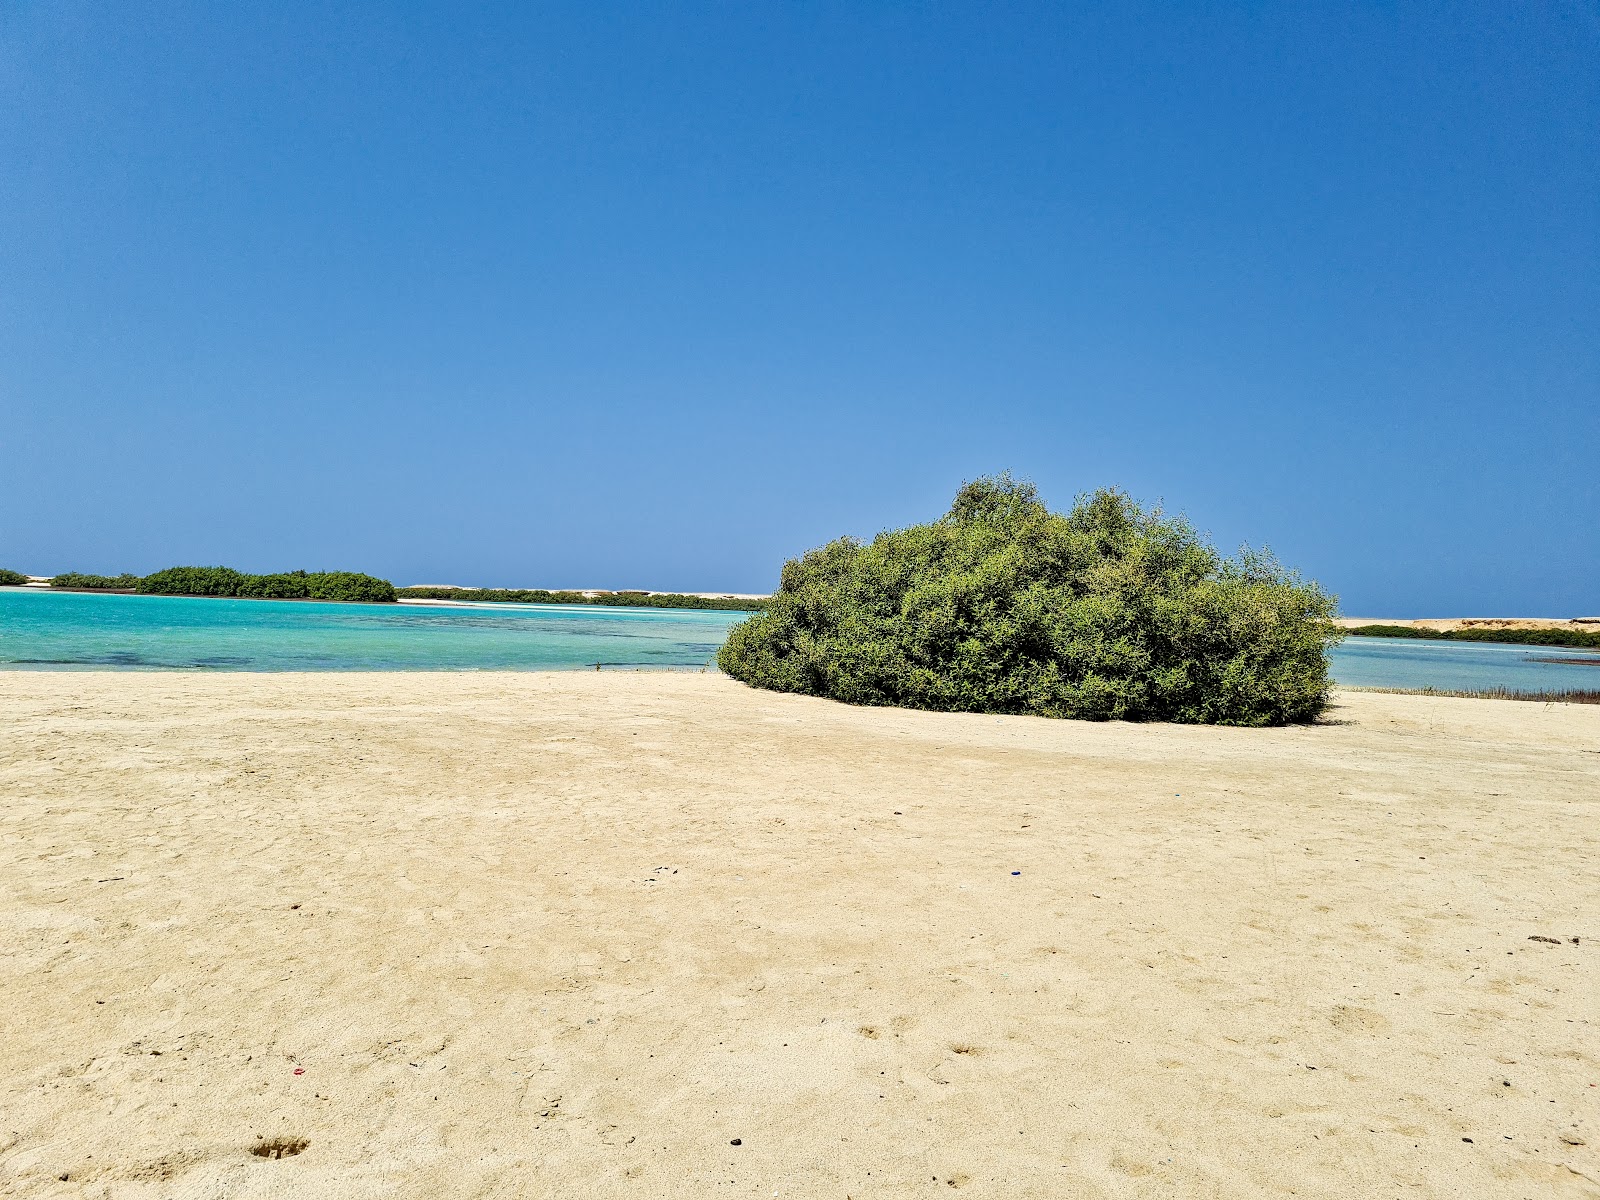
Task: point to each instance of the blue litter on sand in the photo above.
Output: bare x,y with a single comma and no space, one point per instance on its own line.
1016,872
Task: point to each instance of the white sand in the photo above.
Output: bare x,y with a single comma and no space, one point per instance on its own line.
1569,625
569,935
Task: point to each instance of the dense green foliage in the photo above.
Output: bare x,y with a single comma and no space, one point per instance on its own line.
287,585
290,585
1110,611
618,599
72,579
193,581
348,585
12,578
1513,637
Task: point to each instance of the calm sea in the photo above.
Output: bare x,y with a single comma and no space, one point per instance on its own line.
41,630
44,629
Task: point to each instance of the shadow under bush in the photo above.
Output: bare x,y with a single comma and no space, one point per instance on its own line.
1110,612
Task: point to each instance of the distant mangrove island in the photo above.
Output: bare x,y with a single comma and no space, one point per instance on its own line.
1514,637
225,581
353,586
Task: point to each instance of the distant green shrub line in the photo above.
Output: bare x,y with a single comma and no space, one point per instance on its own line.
1511,637
12,578
1110,611
614,599
288,585
1564,696
348,585
72,579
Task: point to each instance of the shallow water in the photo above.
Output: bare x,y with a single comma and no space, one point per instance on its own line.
1461,666
42,630
64,629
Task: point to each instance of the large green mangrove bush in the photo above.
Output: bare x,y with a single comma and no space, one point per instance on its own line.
12,578
1111,611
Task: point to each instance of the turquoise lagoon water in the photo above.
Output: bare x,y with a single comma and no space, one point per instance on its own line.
66,629
1462,666
41,629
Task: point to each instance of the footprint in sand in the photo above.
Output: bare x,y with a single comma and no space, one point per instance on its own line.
1347,1018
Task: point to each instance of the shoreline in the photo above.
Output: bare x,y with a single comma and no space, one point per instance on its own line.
1567,696
546,605
1441,624
1539,696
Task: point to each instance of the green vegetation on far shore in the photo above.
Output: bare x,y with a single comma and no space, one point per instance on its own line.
1110,611
349,585
12,578
288,585
613,599
73,579
1511,637
224,581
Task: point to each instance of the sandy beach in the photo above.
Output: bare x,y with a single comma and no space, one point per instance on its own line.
660,935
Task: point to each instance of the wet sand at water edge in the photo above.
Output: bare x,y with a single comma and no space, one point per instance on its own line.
660,935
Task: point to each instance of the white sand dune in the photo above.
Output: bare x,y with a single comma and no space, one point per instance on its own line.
659,935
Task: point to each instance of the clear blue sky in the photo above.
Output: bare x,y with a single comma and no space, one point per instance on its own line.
660,295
